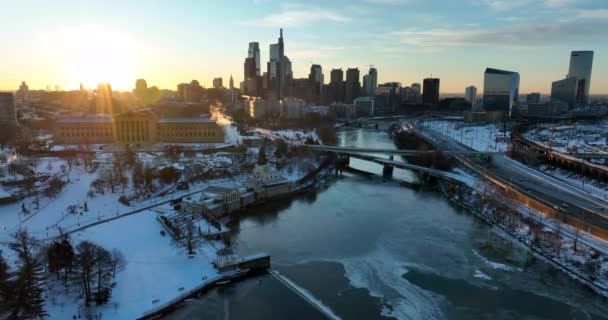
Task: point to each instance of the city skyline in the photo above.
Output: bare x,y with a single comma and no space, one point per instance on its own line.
425,41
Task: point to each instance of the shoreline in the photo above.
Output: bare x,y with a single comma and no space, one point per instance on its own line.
308,183
501,231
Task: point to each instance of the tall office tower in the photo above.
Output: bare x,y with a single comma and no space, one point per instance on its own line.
218,83
500,90
533,97
274,69
352,85
373,74
317,78
430,93
249,66
566,91
581,63
8,116
254,52
470,94
335,89
278,68
367,86
287,73
370,82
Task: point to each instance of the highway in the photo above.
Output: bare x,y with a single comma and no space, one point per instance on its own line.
542,187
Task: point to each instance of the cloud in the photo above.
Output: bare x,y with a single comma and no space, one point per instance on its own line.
514,36
300,16
505,5
599,14
391,2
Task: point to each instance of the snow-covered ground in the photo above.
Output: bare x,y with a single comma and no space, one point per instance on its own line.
295,135
579,137
480,137
156,269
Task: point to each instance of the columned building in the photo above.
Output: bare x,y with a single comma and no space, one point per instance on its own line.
136,127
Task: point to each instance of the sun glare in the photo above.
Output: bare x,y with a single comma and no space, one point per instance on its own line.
94,55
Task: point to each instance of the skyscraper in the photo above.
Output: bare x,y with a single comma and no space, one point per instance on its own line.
8,116
218,83
430,91
254,52
250,71
470,94
318,79
500,90
581,63
352,85
370,82
279,68
373,74
566,91
335,89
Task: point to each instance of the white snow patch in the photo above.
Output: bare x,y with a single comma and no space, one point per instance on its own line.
496,265
480,275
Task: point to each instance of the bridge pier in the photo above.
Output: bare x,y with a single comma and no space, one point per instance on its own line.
341,162
387,170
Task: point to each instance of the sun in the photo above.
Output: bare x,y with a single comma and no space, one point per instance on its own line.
94,55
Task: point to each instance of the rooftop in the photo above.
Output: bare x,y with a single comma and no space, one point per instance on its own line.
498,71
97,118
186,120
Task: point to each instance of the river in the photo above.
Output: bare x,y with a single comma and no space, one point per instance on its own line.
365,247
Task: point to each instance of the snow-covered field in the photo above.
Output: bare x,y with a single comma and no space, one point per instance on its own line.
156,270
480,137
578,137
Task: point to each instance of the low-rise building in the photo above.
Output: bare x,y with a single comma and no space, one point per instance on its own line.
189,130
223,193
293,108
364,107
137,127
84,130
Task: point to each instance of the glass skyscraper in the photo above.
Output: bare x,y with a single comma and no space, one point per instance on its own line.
581,63
500,90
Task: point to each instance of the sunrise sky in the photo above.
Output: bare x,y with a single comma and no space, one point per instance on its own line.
166,42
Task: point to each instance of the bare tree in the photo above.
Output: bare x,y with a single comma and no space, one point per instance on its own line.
111,177
557,239
191,237
93,271
577,233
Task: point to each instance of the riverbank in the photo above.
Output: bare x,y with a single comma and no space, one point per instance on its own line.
303,185
526,238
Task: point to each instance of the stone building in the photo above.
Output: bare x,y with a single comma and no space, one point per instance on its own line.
136,127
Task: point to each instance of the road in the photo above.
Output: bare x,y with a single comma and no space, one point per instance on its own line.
566,198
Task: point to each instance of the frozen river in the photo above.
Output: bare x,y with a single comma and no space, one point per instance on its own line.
370,248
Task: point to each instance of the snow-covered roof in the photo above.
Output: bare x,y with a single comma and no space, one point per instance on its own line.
186,120
97,119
